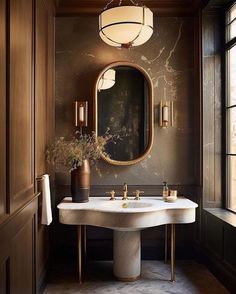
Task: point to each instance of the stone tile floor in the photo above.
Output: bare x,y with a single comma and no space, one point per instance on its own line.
191,278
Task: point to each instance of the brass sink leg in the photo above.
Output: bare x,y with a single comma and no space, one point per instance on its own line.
166,243
79,233
172,252
85,243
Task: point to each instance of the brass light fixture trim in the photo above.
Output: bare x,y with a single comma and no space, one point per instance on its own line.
116,21
81,113
166,114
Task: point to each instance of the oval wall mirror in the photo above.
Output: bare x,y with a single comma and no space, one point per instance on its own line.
124,106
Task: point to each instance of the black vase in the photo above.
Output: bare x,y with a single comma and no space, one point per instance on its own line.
80,183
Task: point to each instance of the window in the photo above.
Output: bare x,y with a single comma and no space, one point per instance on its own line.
230,55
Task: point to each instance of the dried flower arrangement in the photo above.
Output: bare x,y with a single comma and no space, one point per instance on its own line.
70,153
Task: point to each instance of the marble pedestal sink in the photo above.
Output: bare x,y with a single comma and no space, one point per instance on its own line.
127,219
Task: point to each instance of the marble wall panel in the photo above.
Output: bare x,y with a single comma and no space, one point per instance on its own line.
169,59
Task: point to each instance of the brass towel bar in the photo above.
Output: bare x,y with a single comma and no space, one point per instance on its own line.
40,178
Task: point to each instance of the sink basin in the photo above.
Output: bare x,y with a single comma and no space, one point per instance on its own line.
126,215
132,204
127,219
136,205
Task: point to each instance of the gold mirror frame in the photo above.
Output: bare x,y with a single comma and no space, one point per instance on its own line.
151,112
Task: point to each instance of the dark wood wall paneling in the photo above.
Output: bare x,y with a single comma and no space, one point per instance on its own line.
217,237
17,256
21,104
197,94
17,229
212,98
26,112
3,64
218,248
44,116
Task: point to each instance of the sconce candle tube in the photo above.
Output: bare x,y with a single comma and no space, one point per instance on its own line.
81,113
165,113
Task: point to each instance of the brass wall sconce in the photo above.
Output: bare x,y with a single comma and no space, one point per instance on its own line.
166,114
81,114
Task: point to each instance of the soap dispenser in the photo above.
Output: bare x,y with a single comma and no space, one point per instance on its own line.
165,190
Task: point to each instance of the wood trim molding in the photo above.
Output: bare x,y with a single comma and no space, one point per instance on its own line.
198,136
21,105
9,217
50,5
18,227
3,106
159,7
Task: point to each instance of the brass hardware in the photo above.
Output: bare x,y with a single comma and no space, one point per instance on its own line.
40,178
125,195
172,253
79,254
85,242
137,194
166,243
81,114
82,250
166,114
125,192
172,261
112,193
125,205
151,112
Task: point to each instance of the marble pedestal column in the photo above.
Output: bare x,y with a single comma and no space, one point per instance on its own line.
126,255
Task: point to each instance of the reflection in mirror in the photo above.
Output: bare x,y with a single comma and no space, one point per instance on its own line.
124,107
107,80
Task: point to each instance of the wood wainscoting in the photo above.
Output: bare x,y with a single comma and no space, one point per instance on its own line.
17,254
26,127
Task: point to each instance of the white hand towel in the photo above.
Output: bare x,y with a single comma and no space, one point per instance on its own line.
46,218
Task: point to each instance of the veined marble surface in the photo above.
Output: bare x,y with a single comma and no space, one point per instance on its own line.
168,57
140,214
146,204
192,278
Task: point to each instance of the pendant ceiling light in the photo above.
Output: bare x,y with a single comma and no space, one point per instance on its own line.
125,26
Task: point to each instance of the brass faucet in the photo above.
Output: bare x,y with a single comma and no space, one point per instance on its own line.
125,192
112,193
137,194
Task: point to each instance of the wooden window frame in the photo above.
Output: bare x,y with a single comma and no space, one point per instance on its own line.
227,46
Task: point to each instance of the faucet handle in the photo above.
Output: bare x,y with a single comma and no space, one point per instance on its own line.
137,194
125,195
112,193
